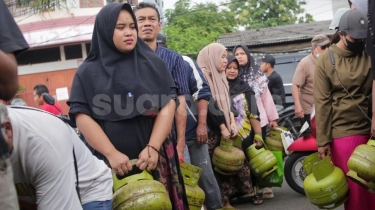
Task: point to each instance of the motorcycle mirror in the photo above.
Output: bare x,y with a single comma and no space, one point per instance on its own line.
48,99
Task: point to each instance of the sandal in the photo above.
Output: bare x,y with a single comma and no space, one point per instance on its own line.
256,200
267,193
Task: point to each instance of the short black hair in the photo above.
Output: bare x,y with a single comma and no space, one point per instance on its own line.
40,89
144,5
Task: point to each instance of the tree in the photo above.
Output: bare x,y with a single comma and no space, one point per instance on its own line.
255,14
190,28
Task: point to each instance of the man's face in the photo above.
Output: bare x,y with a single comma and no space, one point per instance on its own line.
38,99
264,66
148,24
6,130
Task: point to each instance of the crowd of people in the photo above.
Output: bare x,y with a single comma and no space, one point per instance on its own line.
135,99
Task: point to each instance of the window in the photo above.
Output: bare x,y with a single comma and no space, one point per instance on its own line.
73,52
39,56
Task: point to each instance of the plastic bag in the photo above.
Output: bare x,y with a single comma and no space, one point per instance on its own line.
276,178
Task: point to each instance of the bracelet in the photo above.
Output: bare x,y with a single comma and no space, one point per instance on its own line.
153,149
258,137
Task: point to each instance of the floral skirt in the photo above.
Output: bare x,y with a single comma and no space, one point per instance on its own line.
233,185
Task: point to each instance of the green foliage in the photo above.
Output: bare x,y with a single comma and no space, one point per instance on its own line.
43,5
192,27
21,89
255,14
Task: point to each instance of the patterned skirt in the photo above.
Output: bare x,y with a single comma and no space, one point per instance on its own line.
168,172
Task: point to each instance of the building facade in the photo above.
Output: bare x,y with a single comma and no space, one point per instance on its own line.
59,36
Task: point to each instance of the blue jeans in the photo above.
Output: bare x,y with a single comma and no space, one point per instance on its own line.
98,205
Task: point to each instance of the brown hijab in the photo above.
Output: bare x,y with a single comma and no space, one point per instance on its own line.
208,60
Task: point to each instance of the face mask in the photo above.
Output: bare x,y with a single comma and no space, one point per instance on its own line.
317,55
356,47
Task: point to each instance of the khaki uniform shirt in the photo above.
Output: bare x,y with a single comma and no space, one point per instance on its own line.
304,79
337,115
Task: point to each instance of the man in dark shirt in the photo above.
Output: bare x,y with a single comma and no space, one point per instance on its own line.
12,42
149,26
196,132
275,82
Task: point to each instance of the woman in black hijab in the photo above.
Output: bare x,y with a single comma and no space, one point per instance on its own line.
123,102
247,120
258,82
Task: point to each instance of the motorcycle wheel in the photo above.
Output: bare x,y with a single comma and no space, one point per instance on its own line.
294,172
294,126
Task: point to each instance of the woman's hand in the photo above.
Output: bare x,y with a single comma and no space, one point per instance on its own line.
225,132
273,124
119,162
258,142
148,158
234,130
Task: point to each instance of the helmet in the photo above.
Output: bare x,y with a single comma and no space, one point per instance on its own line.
18,101
161,40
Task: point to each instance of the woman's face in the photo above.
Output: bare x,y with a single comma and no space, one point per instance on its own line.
241,56
125,34
232,71
223,62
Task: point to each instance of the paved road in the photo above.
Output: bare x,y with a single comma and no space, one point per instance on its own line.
285,199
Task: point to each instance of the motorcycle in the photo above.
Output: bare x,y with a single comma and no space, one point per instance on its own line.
288,120
48,99
294,171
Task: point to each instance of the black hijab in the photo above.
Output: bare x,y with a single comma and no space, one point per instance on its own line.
251,72
112,84
237,86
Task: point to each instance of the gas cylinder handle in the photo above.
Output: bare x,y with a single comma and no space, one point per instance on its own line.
371,141
133,161
279,129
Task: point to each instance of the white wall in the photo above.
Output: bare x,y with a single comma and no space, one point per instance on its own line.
47,67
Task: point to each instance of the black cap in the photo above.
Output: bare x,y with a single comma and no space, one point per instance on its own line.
161,39
269,59
354,23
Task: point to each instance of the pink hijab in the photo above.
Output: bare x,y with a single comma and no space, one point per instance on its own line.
209,60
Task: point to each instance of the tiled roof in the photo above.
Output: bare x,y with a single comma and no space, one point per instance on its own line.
56,23
276,35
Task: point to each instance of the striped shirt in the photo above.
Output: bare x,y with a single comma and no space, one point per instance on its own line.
199,90
175,64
